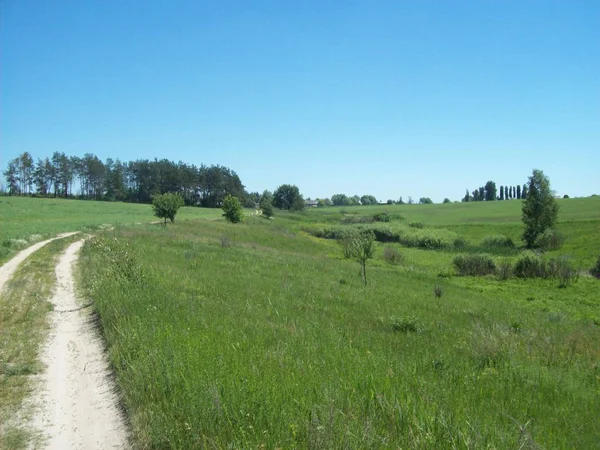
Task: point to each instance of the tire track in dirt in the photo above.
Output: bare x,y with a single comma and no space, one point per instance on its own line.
76,405
8,269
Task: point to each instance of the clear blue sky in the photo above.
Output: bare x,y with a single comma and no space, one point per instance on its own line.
419,98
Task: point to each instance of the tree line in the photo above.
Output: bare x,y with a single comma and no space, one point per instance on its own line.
489,193
89,177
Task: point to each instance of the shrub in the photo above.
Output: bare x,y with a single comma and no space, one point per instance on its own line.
562,269
225,242
381,217
474,264
392,255
550,240
437,291
498,241
596,269
504,270
405,324
530,265
414,224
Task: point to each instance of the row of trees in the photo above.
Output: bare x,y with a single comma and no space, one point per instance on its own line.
489,193
88,177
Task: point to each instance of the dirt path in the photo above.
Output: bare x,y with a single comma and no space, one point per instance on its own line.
9,268
76,405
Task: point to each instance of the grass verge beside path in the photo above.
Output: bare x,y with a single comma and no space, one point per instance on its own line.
24,307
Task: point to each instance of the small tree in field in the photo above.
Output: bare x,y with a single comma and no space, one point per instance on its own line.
540,210
165,206
359,245
232,209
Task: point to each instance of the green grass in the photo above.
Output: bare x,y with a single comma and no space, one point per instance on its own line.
24,305
25,220
275,342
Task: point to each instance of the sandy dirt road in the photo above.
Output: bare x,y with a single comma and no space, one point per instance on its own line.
76,405
8,269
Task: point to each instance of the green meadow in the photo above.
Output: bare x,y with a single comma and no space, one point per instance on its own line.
260,334
26,220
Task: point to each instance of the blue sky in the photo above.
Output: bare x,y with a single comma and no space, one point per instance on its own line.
399,98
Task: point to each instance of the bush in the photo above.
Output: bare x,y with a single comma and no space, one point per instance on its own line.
550,240
406,324
498,241
562,269
381,217
474,264
392,255
530,265
596,269
504,270
414,224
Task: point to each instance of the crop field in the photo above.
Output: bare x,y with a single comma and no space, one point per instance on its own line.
260,334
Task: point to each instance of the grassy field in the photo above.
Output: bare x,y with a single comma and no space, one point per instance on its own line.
27,220
274,342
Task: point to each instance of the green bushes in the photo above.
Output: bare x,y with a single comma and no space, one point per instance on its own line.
550,240
381,217
427,238
392,255
530,265
498,241
474,264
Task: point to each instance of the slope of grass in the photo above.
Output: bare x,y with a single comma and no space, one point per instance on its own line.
275,343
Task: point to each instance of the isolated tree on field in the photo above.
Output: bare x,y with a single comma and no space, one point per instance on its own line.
446,200
232,209
359,245
425,201
540,210
165,206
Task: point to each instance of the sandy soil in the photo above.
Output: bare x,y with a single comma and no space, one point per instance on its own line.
9,268
76,405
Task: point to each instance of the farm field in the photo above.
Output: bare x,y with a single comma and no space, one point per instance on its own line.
260,335
26,220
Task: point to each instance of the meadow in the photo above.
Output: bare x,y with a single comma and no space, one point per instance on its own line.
260,334
27,220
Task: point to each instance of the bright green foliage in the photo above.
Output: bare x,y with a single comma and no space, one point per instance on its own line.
232,209
358,245
540,210
165,206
